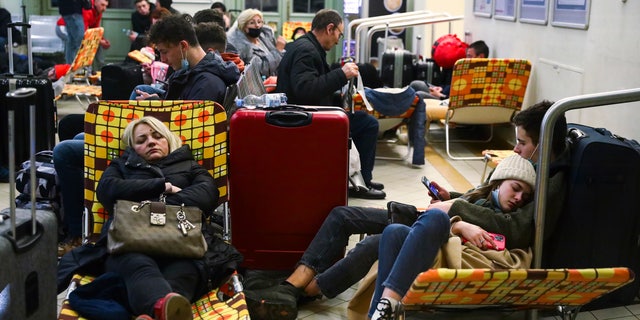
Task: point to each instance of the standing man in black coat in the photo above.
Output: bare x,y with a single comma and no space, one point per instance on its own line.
140,24
305,77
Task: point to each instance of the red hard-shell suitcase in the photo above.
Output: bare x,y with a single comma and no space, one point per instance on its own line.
288,168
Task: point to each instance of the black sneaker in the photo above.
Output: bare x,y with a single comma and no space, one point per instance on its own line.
275,303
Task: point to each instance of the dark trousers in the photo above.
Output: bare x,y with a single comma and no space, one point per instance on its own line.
364,132
148,279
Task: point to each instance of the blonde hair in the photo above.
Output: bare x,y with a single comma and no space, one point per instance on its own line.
245,16
173,139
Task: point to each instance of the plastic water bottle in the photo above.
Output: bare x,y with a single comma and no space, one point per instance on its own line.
266,100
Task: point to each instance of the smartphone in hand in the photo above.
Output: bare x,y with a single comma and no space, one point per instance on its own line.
498,239
431,188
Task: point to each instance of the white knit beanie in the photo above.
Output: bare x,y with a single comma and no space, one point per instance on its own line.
517,168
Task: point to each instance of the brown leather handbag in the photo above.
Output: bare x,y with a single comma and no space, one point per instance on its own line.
156,229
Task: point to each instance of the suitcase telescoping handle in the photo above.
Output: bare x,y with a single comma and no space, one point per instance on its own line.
10,45
26,235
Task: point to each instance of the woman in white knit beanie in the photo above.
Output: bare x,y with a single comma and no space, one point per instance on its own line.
510,187
407,250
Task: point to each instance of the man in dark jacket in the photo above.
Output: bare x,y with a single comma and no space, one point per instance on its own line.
198,75
140,24
305,77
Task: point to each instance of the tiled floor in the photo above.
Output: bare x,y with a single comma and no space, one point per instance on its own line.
402,183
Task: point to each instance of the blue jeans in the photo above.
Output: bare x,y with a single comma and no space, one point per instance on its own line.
417,132
68,160
148,279
364,132
75,33
329,243
407,251
148,89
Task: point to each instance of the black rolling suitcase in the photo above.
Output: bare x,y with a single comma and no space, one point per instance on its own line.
397,68
428,71
119,79
600,226
45,111
27,243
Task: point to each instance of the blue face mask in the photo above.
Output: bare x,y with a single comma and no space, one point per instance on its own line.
495,195
184,64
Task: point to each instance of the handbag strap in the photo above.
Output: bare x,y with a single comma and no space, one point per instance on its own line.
158,207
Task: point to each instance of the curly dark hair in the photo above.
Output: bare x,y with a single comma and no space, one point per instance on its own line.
172,30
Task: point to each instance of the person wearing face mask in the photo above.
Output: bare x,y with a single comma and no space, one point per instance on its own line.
325,270
198,75
406,251
252,38
528,124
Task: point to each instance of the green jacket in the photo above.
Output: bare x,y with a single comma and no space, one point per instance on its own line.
518,226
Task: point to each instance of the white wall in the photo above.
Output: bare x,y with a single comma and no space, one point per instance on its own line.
454,8
568,62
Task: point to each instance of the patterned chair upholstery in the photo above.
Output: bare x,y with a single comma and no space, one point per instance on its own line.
202,125
88,49
84,92
514,288
485,91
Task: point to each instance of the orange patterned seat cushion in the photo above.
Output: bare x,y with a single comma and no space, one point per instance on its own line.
532,288
71,89
358,104
88,48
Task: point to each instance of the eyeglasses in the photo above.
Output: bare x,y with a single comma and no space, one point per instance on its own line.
341,34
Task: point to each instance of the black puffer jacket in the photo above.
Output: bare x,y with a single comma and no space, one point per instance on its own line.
305,76
208,80
129,177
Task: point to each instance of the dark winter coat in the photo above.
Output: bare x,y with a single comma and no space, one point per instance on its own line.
141,24
130,177
305,76
208,80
